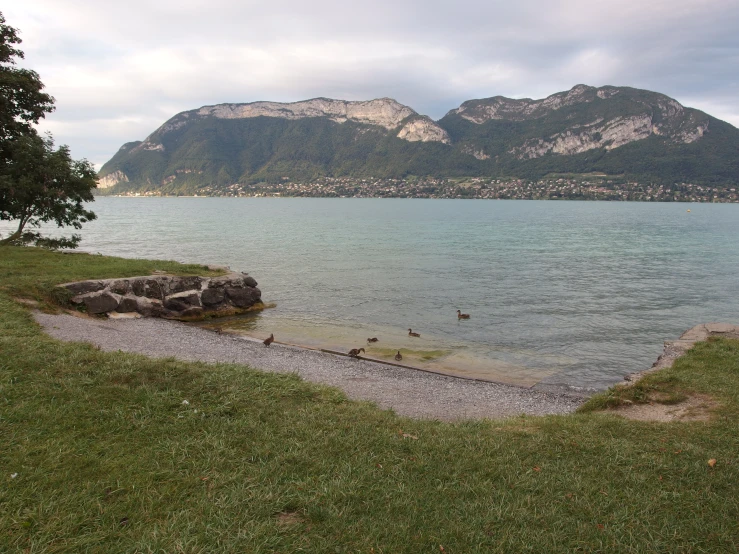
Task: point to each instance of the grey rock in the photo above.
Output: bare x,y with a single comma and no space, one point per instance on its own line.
676,348
182,301
152,289
149,287
243,297
166,295
83,287
192,312
175,304
101,302
138,287
127,304
189,297
120,286
212,297
185,283
221,282
149,307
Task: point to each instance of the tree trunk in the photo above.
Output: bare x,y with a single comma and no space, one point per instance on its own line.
15,235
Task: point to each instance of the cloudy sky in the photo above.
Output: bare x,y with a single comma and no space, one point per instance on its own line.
118,70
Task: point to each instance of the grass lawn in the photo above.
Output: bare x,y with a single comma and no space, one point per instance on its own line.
114,452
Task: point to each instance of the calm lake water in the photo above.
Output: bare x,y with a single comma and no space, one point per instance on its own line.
572,293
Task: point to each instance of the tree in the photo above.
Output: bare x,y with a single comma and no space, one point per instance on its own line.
22,101
37,183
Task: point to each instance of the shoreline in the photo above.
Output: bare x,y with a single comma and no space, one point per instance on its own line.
284,196
408,391
412,358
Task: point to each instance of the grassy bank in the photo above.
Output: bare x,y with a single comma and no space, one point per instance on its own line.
113,452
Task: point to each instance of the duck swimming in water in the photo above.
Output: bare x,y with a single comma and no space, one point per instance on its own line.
269,340
354,352
412,334
460,315
398,356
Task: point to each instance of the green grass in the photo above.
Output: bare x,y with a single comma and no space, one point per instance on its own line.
109,458
33,273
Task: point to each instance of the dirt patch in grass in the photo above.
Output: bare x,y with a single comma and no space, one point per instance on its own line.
697,407
288,519
27,302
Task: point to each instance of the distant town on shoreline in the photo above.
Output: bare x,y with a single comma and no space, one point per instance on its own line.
561,188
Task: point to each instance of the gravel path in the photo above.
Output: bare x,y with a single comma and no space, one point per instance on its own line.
409,392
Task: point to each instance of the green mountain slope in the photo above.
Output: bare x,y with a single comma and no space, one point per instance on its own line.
615,130
639,134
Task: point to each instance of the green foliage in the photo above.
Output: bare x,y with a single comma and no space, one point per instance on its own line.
21,100
32,238
713,159
220,152
39,184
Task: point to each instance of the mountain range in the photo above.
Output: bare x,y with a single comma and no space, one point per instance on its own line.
620,131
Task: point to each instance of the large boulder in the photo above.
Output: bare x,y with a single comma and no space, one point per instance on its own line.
127,304
84,287
148,287
149,307
120,286
101,302
243,297
212,297
168,295
182,284
182,301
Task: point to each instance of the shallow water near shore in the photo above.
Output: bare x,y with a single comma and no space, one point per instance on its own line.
440,354
562,293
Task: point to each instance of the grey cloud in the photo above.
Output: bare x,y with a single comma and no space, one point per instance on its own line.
122,66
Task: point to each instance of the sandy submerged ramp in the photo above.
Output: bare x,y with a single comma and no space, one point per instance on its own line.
409,392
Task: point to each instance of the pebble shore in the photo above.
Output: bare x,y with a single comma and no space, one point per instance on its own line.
408,392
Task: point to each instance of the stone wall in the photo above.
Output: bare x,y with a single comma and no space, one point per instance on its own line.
168,296
675,348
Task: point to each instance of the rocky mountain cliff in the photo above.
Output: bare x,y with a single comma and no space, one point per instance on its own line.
634,115
615,130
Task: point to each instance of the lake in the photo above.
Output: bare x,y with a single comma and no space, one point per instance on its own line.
559,293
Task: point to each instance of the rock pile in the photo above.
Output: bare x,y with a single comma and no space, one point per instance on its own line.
168,296
675,348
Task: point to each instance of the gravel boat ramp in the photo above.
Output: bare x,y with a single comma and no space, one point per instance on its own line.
409,392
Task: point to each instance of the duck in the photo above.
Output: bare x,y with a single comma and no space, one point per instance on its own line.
354,352
269,340
398,356
460,315
373,339
412,334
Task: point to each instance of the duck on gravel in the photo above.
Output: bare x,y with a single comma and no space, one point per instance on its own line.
269,340
354,352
